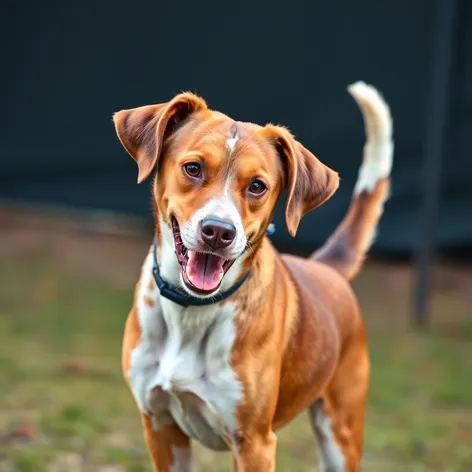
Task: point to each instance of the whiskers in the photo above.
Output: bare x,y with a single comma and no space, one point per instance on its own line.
249,248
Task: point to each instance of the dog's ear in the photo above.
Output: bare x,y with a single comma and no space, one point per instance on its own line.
308,182
142,130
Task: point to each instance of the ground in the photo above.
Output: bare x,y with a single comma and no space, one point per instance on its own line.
64,296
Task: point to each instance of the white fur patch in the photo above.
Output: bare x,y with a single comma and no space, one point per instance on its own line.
233,139
331,457
182,460
169,265
184,351
144,357
231,143
378,149
222,207
229,181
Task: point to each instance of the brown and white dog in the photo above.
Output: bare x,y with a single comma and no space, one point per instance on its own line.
230,372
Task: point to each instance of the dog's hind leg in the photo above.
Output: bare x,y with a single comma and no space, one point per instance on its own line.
168,447
338,417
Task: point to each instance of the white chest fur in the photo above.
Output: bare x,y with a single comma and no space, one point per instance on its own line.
180,369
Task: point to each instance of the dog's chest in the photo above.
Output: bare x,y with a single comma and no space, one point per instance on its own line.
180,370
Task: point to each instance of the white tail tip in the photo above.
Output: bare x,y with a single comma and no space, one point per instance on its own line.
378,149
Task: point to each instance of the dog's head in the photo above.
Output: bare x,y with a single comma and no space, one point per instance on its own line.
217,184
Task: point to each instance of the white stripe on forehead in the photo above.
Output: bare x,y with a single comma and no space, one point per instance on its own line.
231,145
229,180
233,138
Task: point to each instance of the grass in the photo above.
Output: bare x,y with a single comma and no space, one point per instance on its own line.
65,408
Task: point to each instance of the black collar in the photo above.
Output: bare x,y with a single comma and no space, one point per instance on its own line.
182,298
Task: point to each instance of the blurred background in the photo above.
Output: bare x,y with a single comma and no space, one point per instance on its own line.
74,225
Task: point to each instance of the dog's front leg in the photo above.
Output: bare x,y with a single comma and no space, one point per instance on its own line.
168,447
255,453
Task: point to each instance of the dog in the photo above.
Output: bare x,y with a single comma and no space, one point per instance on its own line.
227,340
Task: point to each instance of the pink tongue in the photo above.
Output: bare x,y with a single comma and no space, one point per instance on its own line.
205,271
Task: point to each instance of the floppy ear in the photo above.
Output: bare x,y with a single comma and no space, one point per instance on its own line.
142,130
309,182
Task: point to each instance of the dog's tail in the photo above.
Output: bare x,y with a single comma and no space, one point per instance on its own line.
345,250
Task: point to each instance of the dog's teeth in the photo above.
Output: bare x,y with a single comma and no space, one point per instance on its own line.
188,271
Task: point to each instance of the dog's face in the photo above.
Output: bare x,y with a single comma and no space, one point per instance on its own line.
218,182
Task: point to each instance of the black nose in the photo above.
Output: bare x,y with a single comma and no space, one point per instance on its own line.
217,233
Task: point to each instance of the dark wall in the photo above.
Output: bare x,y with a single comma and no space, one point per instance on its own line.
70,65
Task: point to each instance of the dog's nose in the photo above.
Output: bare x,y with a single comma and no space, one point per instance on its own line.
217,233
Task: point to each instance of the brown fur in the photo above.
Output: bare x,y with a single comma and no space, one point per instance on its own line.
299,334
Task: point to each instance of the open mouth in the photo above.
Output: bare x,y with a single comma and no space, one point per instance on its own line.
202,272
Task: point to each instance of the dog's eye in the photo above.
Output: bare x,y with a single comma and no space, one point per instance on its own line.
193,169
257,187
